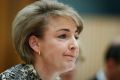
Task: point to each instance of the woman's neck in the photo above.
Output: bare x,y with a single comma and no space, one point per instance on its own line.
44,70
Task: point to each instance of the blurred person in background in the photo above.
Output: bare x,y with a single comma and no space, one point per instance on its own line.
111,70
45,35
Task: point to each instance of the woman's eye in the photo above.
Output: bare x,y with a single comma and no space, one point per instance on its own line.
62,36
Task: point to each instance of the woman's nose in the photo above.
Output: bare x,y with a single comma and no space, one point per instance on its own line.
73,44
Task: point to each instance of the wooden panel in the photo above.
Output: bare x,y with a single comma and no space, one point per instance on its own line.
97,34
8,9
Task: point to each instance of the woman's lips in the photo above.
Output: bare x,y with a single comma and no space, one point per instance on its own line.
70,57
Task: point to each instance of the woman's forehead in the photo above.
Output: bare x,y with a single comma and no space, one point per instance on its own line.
61,22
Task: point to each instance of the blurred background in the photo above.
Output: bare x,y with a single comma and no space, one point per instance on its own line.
101,25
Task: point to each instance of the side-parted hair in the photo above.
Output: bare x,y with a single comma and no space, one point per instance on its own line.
31,21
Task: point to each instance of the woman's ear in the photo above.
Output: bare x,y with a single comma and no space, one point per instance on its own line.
34,43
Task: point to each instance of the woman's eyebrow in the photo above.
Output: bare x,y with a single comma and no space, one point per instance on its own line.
67,30
64,30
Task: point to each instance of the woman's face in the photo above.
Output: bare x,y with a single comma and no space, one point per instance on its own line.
59,48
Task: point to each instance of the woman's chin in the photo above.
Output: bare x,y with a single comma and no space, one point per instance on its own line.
69,66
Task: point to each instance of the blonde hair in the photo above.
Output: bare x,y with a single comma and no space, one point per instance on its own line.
31,21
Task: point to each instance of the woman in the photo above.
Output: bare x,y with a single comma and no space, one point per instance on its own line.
45,36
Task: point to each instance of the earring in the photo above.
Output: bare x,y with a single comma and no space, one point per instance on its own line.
39,52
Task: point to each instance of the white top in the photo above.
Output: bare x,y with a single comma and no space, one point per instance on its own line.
101,75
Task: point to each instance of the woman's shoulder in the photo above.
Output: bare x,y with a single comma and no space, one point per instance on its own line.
20,72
